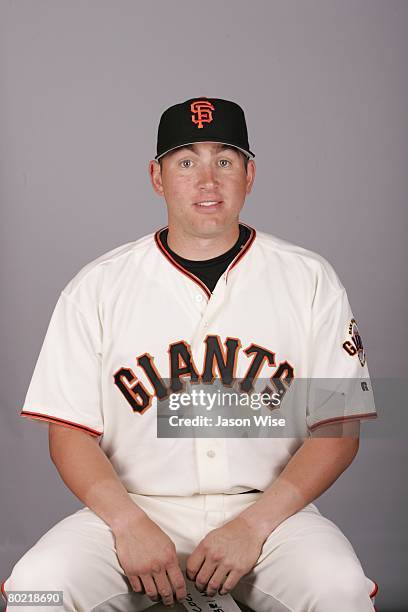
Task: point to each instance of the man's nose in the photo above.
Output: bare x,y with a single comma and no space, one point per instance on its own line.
207,178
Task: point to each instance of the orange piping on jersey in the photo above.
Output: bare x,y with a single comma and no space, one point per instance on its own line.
244,249
177,265
351,417
71,425
4,594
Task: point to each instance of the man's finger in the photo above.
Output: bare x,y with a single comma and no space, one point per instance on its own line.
177,581
149,587
207,570
216,580
136,584
164,587
231,582
194,562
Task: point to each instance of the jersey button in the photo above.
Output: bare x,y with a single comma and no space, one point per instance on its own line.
211,454
198,298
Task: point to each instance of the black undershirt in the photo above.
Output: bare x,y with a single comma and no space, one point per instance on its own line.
209,270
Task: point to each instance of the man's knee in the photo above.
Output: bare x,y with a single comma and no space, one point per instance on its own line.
41,570
343,589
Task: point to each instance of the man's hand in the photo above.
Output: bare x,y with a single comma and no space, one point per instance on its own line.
148,558
224,556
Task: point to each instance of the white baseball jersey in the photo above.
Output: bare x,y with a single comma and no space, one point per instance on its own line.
133,318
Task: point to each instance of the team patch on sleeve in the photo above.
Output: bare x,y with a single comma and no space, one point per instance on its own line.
354,345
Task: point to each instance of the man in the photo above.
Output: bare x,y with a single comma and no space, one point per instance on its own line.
205,298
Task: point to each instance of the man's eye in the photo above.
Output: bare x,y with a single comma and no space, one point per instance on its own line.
186,163
224,163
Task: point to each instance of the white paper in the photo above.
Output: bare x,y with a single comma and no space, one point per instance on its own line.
200,602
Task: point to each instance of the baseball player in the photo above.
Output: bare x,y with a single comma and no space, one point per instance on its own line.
205,298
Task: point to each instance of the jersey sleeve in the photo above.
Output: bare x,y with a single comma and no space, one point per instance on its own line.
65,386
339,385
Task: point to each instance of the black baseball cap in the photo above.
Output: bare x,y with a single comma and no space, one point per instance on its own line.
203,120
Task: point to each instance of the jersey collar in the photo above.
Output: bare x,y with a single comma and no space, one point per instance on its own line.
194,278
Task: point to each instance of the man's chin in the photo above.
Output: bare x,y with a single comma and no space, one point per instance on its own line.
210,227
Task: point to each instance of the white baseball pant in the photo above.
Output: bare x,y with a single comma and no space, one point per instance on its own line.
306,564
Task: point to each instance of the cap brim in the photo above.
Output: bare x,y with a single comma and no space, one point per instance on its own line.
248,153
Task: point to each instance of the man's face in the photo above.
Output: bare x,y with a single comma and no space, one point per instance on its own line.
204,185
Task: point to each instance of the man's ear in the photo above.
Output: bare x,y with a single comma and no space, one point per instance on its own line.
251,171
155,177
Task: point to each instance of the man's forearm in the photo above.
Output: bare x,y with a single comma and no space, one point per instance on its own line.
311,470
87,471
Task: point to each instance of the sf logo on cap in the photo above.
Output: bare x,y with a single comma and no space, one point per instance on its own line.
201,112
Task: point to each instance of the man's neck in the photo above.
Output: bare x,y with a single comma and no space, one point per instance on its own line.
199,248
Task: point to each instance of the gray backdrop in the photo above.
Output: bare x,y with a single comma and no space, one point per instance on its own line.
324,87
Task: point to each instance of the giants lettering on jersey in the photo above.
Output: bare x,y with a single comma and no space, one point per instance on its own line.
219,358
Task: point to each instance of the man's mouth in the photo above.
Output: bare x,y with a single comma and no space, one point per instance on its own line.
208,203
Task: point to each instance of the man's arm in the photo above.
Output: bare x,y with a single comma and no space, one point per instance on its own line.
315,466
87,471
144,551
235,547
